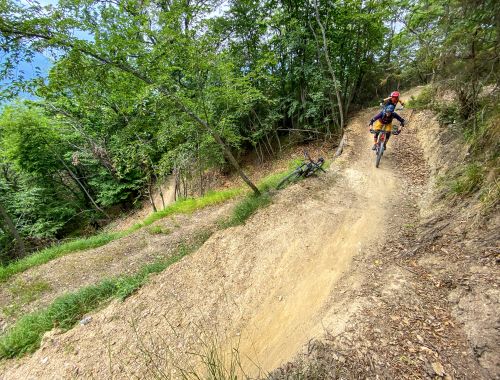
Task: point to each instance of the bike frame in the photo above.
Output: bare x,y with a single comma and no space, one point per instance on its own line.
305,169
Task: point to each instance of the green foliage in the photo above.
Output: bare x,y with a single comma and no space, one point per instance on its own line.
25,336
424,99
469,179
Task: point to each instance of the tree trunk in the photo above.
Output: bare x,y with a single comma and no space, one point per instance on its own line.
82,186
330,67
13,231
150,194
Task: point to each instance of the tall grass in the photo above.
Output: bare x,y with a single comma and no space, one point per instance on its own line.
26,334
183,206
246,208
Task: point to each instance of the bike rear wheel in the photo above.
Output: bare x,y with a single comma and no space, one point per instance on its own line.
292,177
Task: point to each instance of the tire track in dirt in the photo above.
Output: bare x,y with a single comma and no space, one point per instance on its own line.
266,284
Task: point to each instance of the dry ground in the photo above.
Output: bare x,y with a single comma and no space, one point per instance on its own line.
349,269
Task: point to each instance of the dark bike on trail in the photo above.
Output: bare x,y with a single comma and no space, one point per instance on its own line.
304,170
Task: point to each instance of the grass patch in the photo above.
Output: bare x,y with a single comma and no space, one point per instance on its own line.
469,180
251,203
246,208
424,99
188,205
157,230
183,206
26,334
490,194
56,251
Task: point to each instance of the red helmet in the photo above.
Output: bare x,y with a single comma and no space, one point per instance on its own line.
395,94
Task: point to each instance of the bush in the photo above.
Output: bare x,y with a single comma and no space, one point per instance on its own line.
424,99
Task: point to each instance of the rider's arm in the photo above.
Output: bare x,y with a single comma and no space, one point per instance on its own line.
399,118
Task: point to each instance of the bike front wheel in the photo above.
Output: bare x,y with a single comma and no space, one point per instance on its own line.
380,153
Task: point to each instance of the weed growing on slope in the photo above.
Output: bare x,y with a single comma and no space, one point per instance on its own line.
217,356
246,208
469,180
157,230
26,334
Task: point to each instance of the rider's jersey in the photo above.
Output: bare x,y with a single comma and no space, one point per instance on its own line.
388,101
387,119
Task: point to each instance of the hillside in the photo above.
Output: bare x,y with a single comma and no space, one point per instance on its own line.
357,273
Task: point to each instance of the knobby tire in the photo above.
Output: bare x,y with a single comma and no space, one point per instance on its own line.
380,153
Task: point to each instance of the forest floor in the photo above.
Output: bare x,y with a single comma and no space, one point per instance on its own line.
357,273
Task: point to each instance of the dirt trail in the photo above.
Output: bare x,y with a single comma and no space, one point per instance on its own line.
348,221
266,284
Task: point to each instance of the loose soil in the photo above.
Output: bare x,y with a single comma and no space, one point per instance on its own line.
351,274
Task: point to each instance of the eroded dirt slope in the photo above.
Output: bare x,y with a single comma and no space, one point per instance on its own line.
39,286
330,258
267,282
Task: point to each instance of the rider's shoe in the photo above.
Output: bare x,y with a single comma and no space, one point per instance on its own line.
374,147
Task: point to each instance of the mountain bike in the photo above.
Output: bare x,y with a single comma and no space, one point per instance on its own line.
380,145
306,169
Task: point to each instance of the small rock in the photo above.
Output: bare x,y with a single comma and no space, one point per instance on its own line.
438,368
45,360
85,321
280,298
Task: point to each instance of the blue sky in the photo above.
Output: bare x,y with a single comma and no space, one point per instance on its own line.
40,64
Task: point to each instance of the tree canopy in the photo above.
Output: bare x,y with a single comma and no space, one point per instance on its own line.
142,89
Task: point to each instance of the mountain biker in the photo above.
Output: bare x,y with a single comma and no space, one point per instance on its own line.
393,99
383,123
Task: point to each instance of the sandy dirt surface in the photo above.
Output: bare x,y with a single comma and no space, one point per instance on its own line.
327,270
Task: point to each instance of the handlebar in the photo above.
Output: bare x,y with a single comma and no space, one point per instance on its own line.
318,164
